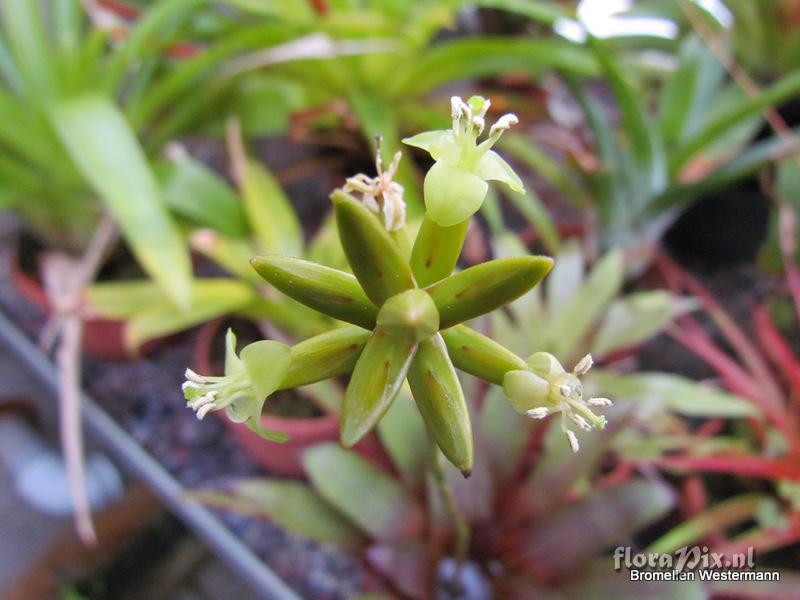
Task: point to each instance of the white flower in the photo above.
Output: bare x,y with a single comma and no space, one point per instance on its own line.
547,388
381,192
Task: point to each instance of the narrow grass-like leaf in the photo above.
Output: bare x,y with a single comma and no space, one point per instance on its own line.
332,292
470,58
732,116
377,378
105,150
370,497
438,394
374,257
269,211
487,286
194,191
25,30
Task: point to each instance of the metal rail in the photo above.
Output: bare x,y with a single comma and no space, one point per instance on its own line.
264,582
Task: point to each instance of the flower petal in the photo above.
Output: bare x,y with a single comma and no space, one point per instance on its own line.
525,390
492,167
441,144
233,364
452,194
427,139
267,363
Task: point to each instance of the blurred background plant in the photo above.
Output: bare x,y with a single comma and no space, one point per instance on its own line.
115,116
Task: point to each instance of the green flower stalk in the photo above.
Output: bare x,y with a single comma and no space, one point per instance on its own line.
546,388
455,187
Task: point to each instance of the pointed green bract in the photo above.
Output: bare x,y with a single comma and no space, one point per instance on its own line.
324,356
374,257
377,378
438,394
479,355
485,287
330,291
436,250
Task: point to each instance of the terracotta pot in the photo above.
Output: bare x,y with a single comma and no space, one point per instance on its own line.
102,338
286,458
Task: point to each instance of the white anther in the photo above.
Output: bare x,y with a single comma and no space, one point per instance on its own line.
478,123
538,413
573,440
204,410
600,402
580,422
503,123
192,376
583,365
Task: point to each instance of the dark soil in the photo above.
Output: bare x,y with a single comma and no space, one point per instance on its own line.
144,396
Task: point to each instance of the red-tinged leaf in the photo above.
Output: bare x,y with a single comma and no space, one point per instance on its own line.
406,565
560,468
765,539
558,544
599,581
776,346
787,587
734,464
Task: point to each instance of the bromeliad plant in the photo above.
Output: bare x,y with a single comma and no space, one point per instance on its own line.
537,528
406,313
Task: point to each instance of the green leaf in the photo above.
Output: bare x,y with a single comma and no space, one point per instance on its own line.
27,35
571,322
197,193
374,257
150,314
487,286
675,393
732,116
479,355
634,319
438,394
715,519
506,434
647,151
334,293
105,150
325,356
689,90
471,58
370,497
377,378
403,434
436,250
544,11
293,505
269,212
